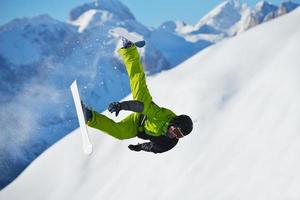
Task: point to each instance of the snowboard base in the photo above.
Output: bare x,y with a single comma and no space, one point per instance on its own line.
86,144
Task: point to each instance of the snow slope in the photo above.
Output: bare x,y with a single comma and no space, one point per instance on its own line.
41,56
243,95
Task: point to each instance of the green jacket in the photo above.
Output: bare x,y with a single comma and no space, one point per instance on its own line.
158,118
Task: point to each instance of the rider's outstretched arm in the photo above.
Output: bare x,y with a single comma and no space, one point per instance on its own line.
154,147
133,105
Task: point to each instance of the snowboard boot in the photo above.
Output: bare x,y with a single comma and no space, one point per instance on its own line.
126,43
88,114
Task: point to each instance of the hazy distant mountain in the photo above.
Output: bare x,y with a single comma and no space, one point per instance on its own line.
228,19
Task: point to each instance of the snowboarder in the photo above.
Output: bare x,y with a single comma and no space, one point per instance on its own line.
149,121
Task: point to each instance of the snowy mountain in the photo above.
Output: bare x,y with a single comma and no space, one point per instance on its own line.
228,19
231,18
223,17
112,7
41,56
244,100
263,9
174,47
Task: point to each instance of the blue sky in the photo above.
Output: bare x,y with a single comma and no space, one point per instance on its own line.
150,13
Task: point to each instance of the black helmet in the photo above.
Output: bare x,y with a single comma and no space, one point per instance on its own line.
183,122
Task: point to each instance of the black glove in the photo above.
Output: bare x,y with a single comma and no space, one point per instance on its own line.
137,147
87,112
115,107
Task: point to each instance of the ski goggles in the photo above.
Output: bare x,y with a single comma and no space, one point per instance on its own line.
175,132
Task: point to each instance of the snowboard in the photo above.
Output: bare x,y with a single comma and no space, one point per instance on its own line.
86,144
122,32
